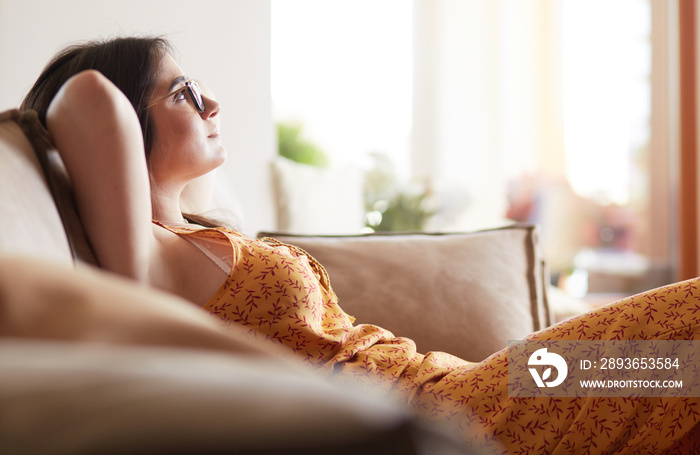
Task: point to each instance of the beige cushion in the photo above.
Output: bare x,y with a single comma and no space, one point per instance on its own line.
31,224
466,294
318,200
36,193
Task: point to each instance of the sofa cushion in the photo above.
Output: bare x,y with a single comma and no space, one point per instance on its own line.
465,293
40,214
31,223
313,199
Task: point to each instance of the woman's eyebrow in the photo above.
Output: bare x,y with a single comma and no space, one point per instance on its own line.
177,81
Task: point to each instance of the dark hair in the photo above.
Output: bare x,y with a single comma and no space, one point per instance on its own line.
131,63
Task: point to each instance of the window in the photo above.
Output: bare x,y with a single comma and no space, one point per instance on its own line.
344,70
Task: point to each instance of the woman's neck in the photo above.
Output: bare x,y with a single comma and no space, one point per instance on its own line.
165,205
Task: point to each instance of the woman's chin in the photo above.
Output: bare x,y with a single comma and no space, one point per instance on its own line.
221,156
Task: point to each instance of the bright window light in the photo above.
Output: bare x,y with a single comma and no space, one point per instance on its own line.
344,70
607,105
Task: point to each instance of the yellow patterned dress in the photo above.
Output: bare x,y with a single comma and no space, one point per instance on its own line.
282,294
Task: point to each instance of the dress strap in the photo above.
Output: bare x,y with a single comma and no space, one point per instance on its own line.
225,263
201,238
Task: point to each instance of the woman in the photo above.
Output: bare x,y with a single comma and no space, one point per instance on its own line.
133,131
123,177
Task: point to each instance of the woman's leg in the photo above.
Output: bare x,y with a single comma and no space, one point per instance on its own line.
474,399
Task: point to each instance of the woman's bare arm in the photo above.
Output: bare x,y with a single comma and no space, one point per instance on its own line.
98,135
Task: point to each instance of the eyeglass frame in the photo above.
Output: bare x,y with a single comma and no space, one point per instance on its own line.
190,91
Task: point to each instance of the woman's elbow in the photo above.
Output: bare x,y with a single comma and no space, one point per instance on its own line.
90,99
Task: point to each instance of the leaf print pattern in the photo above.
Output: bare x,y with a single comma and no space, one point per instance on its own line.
283,295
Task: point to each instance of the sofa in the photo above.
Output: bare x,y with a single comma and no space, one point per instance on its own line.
93,363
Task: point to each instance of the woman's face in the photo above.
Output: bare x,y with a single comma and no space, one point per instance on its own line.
186,142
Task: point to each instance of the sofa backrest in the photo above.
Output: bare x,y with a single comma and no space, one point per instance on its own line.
31,223
35,191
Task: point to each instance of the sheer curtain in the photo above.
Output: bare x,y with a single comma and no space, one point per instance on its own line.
487,100
556,96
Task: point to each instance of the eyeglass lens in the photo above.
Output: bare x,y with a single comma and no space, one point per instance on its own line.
196,95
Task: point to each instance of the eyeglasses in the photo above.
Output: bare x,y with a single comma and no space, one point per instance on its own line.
192,89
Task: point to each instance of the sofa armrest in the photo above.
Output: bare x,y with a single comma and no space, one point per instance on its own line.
79,398
94,363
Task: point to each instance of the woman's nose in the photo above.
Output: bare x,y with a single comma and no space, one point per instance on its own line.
211,107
